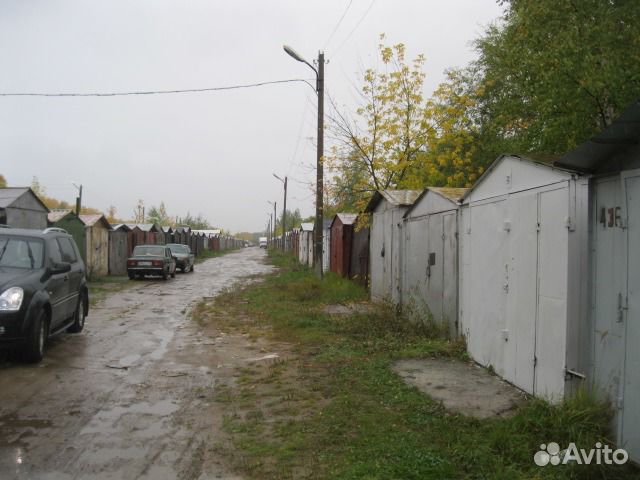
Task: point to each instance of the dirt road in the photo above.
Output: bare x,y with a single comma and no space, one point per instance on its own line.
132,396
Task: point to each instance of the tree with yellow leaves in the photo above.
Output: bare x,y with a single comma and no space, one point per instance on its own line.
377,148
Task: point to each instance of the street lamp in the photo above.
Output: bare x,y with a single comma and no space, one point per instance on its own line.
273,225
284,211
317,232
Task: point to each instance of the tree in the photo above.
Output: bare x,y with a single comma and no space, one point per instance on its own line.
3,182
37,187
554,72
111,215
196,223
453,141
294,219
377,149
138,212
159,215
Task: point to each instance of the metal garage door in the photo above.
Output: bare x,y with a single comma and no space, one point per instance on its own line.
630,300
551,322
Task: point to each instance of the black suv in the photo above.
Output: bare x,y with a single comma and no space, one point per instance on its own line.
43,288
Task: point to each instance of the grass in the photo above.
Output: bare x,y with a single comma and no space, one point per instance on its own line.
100,287
334,409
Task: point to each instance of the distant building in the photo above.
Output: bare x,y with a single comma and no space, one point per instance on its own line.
20,207
66,219
97,245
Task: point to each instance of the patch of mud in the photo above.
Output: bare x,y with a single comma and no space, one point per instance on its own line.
132,399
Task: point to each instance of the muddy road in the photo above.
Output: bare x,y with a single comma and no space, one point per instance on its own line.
132,396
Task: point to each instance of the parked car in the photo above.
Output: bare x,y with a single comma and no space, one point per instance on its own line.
185,260
263,242
43,288
151,260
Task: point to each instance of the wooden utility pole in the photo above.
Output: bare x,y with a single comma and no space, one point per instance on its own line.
284,217
79,199
317,232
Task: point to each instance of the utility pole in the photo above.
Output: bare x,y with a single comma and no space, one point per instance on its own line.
317,232
284,211
78,199
275,219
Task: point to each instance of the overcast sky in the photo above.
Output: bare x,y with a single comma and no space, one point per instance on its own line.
211,153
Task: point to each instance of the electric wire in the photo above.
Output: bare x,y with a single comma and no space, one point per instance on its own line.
354,28
338,24
154,92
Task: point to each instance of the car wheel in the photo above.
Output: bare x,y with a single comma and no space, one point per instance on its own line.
191,268
173,274
78,317
36,339
165,274
132,276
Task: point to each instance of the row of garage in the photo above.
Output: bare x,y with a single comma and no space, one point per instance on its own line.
104,247
536,266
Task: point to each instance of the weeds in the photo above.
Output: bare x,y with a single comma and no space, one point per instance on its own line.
337,410
100,287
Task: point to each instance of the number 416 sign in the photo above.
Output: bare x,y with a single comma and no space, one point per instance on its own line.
610,217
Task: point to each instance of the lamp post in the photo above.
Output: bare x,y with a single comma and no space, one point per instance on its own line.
317,232
273,225
284,211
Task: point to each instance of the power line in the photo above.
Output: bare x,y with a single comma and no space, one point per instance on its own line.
354,28
338,24
153,92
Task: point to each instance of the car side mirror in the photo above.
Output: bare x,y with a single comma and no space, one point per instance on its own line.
61,267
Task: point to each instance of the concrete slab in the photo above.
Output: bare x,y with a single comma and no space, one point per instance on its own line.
462,387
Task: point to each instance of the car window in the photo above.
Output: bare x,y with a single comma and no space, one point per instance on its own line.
54,251
68,253
178,249
148,250
21,252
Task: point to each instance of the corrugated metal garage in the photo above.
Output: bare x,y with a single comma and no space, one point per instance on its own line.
326,245
430,256
523,268
613,157
359,270
341,239
305,244
387,208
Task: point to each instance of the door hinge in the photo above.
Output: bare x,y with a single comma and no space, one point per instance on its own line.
623,305
538,227
535,361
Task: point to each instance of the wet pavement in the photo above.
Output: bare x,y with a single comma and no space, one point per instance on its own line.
132,396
